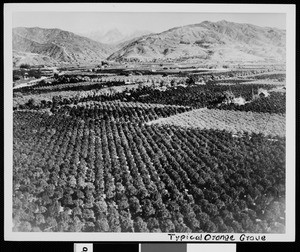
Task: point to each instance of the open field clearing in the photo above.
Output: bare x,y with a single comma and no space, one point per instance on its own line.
278,90
232,121
266,75
273,75
266,82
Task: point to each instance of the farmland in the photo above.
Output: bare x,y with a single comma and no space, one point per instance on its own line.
158,155
231,121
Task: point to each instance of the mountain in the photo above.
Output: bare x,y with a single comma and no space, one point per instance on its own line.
56,46
208,41
111,37
115,36
107,37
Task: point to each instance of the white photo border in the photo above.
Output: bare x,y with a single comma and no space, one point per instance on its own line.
9,9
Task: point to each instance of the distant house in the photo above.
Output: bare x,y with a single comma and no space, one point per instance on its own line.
239,101
36,81
260,94
263,93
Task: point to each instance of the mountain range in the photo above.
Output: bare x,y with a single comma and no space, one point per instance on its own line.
218,42
114,36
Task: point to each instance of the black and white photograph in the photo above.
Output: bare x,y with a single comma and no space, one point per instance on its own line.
155,122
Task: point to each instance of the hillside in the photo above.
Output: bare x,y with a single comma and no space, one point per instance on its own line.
33,59
58,45
208,41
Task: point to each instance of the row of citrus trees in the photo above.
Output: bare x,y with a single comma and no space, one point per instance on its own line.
79,170
211,96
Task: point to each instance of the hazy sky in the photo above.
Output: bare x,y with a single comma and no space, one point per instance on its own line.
83,22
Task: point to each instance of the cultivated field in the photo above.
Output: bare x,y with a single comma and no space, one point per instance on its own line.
157,156
231,121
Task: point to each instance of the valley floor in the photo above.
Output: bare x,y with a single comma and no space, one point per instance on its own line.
149,159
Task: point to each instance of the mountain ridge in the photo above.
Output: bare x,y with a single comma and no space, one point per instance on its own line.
215,42
62,46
